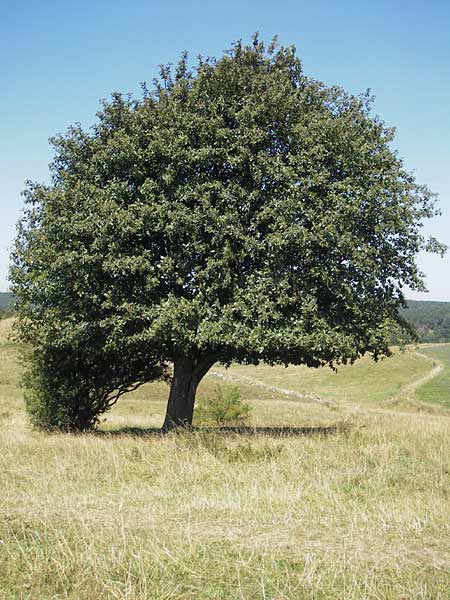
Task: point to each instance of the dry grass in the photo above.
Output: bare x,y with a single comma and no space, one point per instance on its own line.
364,382
358,514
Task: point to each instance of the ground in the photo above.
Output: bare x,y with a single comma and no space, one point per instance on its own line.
356,511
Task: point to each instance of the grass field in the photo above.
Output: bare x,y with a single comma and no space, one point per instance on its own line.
360,513
364,382
438,390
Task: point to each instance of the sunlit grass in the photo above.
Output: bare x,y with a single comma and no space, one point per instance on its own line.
361,513
362,382
438,390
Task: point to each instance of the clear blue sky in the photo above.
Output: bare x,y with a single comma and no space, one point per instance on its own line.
60,58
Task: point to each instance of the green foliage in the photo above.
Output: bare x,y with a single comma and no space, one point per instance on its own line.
6,300
430,319
239,211
68,388
224,408
64,392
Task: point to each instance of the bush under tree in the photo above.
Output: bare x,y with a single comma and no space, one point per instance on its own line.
224,407
238,211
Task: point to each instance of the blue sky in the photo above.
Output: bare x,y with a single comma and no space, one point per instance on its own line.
60,58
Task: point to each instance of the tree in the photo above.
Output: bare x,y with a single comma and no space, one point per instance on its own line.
238,211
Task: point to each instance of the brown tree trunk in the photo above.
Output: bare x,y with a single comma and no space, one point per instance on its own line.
187,374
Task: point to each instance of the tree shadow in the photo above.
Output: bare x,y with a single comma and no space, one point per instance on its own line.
283,431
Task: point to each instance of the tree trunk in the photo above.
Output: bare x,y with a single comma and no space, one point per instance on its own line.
187,374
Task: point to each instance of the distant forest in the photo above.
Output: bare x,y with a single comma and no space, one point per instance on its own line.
431,319
6,301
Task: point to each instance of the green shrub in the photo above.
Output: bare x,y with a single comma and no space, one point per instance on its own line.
69,388
58,395
225,407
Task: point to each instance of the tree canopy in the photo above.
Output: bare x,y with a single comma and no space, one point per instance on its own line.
238,211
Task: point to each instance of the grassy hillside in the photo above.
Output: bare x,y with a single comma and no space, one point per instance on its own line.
359,513
438,390
364,382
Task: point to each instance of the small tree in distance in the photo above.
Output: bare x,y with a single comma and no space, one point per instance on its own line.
238,211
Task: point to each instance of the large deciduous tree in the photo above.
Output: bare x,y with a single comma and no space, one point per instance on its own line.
238,211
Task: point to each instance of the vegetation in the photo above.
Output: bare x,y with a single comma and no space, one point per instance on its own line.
348,384
225,407
438,390
6,305
430,319
359,513
239,211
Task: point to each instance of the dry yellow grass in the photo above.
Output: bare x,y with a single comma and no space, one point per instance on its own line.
362,513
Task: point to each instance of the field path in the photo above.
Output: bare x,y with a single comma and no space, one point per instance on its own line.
303,397
407,391
410,388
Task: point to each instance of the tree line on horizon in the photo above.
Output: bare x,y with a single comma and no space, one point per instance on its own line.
430,319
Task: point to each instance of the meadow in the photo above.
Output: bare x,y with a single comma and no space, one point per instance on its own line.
350,502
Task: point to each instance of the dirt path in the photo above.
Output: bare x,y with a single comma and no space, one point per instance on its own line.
406,392
302,397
